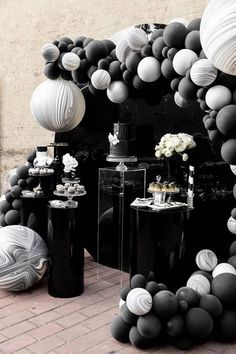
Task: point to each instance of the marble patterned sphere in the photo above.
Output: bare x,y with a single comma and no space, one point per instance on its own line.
70,61
217,34
122,50
101,79
139,301
58,105
203,72
206,260
223,268
136,38
50,52
199,283
231,225
23,258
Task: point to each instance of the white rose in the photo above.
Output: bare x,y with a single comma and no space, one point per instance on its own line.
168,153
180,148
185,157
158,154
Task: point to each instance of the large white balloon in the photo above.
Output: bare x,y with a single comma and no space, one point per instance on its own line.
217,34
149,69
136,38
183,60
101,79
218,96
58,105
117,92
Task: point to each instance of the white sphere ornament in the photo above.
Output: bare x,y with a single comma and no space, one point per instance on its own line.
233,169
180,101
23,257
101,79
70,61
199,283
218,96
58,105
223,268
206,260
217,34
139,301
149,69
136,39
183,61
122,50
50,52
117,92
203,72
231,225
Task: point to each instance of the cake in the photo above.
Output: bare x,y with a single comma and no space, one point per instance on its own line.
120,140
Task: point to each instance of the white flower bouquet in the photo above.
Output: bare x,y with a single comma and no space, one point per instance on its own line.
70,163
173,144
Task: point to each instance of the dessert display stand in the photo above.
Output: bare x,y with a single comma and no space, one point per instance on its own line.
121,166
116,190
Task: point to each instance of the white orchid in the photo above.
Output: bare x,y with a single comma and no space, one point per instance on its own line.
171,144
69,162
113,139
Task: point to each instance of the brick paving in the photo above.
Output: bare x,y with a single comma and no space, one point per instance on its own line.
35,322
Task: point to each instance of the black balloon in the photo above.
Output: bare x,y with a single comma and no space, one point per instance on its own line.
9,197
152,287
120,329
225,120
167,69
66,75
228,151
232,248
5,206
62,46
223,286
86,41
187,89
175,326
78,42
132,61
127,76
210,124
66,40
16,191
156,33
138,281
227,325
138,84
91,70
103,64
171,53
95,50
149,325
12,217
146,50
80,76
22,171
16,204
175,83
232,260
211,304
14,180
199,323
114,70
189,295
192,41
2,220
127,315
124,292
174,34
70,47
81,53
109,44
157,47
138,340
194,24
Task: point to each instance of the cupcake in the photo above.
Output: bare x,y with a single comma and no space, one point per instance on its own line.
60,188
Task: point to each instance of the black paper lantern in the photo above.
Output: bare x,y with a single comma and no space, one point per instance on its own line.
12,217
174,34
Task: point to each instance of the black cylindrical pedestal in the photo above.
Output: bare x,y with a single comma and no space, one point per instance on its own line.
66,253
157,241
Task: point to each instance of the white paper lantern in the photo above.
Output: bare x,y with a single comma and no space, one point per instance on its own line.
149,69
117,92
218,96
206,260
217,34
23,258
199,283
70,61
203,72
58,105
180,101
136,38
139,301
122,50
223,268
50,52
183,60
101,79
231,225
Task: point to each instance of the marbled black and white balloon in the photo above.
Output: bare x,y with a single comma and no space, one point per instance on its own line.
206,260
139,301
23,257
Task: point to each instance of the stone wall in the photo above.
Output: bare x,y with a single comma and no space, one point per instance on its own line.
26,25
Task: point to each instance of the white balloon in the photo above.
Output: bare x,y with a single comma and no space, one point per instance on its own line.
206,260
149,69
183,60
70,61
217,34
50,52
203,72
223,268
101,79
199,283
218,96
136,38
231,225
58,105
139,301
117,92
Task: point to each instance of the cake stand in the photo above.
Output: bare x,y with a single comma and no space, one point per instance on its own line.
121,166
70,203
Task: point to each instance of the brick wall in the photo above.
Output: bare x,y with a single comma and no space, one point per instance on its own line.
26,25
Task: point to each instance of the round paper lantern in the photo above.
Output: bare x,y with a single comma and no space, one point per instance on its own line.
223,268
189,295
183,61
70,61
203,72
180,101
232,248
223,286
117,92
227,325
211,304
149,69
228,151
136,38
149,325
127,315
199,283
101,79
23,255
218,96
225,120
192,41
138,281
122,50
139,301
58,105
206,260
231,224
175,326
165,304
174,34
120,329
217,33
95,50
50,52
199,323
